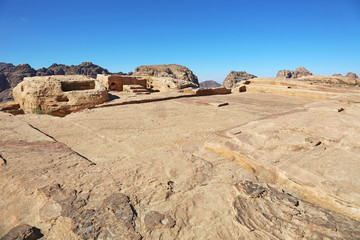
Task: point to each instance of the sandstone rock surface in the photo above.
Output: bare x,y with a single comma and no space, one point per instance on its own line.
59,95
235,77
167,77
300,150
209,84
143,171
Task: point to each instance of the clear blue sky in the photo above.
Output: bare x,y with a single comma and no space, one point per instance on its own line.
210,37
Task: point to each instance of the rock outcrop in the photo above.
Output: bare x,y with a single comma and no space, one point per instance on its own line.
209,84
85,68
6,65
299,72
234,77
285,74
11,76
302,72
167,77
289,150
337,75
351,75
59,95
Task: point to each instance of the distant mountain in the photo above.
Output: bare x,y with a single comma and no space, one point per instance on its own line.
209,84
85,68
11,75
6,65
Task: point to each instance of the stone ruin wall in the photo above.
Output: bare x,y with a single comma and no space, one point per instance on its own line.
116,83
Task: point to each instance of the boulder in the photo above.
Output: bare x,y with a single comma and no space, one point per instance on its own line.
301,72
351,75
337,75
167,77
209,84
234,77
59,95
285,74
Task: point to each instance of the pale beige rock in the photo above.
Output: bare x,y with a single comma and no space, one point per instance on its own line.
312,152
59,95
207,91
312,87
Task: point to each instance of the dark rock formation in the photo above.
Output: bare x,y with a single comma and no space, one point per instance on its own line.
299,72
6,65
234,77
285,74
351,75
173,71
85,68
209,84
337,75
115,216
10,77
23,232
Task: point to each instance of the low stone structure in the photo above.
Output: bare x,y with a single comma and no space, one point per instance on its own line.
117,82
207,91
59,95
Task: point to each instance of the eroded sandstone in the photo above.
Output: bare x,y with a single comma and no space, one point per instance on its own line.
59,95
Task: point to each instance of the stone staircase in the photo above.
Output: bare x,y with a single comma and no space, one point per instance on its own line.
137,89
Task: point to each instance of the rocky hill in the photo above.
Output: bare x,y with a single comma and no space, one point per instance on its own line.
6,65
85,68
209,84
351,75
168,76
167,70
299,72
234,77
11,75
